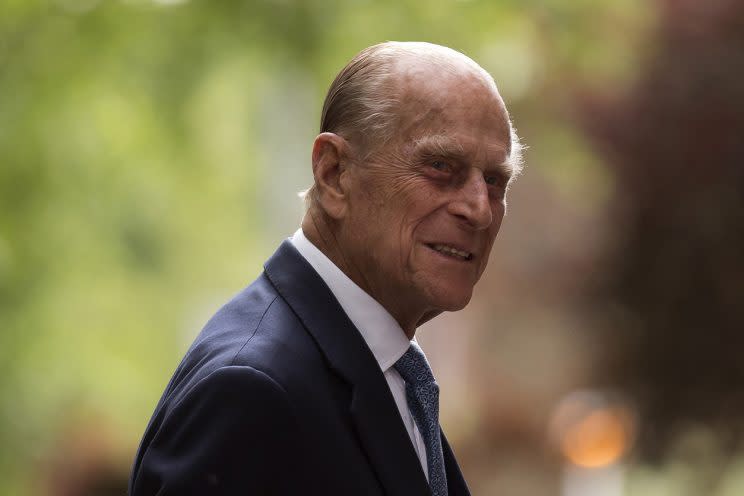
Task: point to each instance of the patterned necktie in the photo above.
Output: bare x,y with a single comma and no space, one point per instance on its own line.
422,393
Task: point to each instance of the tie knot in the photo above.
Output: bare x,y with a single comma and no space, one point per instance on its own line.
414,368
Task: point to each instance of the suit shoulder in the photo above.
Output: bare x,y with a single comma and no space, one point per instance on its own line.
223,336
230,430
240,388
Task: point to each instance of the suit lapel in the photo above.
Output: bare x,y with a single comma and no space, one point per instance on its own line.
456,485
372,408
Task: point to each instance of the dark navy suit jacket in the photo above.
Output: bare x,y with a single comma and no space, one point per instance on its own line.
280,395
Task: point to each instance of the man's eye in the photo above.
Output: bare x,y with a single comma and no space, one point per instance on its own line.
440,165
494,180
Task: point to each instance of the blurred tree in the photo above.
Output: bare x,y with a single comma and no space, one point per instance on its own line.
675,277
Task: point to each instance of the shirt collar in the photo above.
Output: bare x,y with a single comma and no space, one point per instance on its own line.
380,330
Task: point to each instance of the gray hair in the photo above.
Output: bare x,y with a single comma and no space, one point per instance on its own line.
362,101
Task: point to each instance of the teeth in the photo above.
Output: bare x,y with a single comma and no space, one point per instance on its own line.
452,251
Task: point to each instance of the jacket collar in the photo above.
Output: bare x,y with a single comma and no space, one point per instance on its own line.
372,408
381,332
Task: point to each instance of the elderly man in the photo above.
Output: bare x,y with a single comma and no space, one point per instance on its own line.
309,381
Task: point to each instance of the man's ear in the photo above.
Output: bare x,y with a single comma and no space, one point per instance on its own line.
330,169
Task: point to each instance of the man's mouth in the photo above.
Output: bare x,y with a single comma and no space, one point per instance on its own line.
451,251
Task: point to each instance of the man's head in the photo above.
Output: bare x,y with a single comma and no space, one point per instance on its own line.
411,168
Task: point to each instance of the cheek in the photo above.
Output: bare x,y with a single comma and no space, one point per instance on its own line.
499,210
400,199
493,230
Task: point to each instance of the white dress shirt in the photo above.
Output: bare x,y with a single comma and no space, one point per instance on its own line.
380,330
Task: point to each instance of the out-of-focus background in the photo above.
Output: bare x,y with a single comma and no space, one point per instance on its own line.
150,155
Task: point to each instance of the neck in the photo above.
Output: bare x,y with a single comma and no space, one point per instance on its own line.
324,234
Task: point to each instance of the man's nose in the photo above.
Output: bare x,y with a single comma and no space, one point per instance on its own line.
472,203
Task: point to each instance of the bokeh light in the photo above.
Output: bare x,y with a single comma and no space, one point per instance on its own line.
592,430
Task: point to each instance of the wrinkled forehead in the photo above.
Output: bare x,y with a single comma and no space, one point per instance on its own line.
446,89
444,103
436,106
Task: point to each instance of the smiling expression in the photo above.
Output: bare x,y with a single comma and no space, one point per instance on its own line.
425,208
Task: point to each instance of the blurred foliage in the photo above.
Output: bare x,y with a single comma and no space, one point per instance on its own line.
674,278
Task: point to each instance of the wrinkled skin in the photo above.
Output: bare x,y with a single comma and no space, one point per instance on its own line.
441,180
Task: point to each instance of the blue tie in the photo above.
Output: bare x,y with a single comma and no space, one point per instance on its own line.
422,393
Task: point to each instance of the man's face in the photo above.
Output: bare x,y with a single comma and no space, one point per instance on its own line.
425,208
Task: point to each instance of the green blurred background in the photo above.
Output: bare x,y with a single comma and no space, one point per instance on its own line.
150,156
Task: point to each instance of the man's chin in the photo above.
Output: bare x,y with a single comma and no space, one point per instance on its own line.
452,301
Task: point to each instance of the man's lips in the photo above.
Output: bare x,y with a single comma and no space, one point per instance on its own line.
452,250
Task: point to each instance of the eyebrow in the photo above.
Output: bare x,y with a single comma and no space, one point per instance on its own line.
444,146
